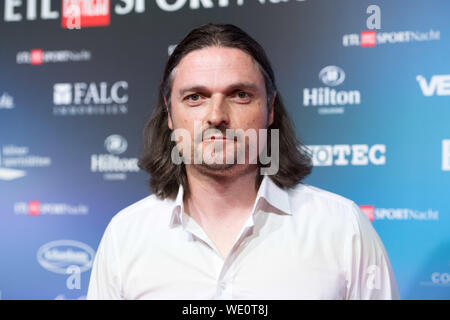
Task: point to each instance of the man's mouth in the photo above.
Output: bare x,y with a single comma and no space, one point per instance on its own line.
216,138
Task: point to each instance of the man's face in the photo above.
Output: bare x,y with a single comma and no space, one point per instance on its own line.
219,88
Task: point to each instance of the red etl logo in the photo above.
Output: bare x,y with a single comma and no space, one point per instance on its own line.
34,208
368,211
368,38
77,14
36,56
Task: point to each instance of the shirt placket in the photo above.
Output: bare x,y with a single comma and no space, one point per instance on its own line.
224,288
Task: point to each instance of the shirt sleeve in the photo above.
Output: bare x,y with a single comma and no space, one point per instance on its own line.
370,274
105,281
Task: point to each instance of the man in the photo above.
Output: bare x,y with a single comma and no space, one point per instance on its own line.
219,229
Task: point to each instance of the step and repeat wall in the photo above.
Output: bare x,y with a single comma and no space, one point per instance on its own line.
366,83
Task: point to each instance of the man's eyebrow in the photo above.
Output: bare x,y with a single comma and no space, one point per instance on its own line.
239,85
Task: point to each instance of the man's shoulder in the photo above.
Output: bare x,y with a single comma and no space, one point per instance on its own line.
148,208
315,199
304,190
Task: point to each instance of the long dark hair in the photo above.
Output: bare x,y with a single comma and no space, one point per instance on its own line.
166,176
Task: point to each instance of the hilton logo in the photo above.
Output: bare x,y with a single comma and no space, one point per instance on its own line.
331,76
112,166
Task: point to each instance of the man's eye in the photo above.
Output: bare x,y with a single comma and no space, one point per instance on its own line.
242,94
193,97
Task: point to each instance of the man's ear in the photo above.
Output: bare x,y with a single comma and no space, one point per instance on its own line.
169,117
271,110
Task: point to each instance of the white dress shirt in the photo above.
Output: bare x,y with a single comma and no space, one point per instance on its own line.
301,243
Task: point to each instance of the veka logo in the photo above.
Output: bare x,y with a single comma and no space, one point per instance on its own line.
81,98
446,155
361,154
439,85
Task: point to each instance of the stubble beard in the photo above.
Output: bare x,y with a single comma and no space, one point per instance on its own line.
223,168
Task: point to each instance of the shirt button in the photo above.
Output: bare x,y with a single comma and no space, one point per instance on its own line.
223,285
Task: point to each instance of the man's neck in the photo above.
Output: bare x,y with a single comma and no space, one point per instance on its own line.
224,198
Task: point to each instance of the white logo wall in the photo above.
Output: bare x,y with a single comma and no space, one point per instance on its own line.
79,110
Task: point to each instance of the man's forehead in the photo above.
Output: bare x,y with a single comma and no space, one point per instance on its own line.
216,57
221,65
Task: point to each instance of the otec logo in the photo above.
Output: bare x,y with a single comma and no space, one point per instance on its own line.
83,98
439,85
344,154
114,167
58,256
324,96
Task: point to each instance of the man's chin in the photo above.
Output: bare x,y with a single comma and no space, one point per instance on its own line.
217,167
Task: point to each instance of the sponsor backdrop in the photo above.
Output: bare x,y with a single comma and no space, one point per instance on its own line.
367,84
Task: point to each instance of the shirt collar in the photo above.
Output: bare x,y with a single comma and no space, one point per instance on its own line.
270,198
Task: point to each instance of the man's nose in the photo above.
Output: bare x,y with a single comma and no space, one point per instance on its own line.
218,112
